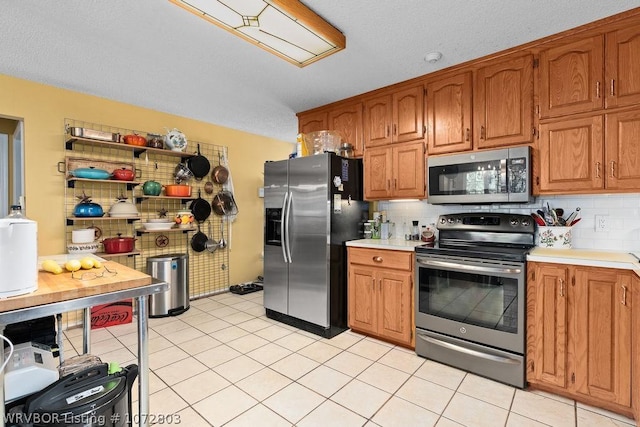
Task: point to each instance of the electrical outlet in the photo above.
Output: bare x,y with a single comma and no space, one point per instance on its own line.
602,223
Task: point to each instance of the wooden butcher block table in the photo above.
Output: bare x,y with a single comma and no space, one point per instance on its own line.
59,293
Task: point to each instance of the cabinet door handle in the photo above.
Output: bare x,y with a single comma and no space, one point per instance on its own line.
613,88
597,169
380,284
395,183
597,89
613,168
395,129
387,131
388,184
624,295
377,258
561,287
482,132
467,135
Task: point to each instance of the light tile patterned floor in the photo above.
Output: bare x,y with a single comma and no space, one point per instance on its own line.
224,363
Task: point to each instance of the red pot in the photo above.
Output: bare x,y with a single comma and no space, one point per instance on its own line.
123,174
135,140
118,245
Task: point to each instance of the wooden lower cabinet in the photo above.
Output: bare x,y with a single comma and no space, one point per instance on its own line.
635,331
380,294
579,341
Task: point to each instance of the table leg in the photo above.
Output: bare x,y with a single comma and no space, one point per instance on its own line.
143,362
86,331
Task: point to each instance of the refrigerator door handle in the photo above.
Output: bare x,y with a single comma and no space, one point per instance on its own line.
283,229
287,226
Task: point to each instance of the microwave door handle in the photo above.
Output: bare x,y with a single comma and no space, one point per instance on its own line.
283,227
474,268
288,222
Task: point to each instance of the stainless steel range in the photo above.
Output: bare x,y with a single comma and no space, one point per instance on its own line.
470,294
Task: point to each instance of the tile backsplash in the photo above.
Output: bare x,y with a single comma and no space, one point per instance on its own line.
621,212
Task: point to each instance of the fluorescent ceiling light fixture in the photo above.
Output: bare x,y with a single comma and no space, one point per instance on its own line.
286,28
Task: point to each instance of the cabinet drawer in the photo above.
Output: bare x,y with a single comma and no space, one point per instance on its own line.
399,260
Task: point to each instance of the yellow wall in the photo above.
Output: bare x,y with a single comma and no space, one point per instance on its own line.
44,109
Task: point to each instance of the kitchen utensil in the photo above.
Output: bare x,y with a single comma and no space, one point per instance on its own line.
554,217
345,150
559,212
123,174
123,208
155,141
200,208
118,245
175,140
573,216
177,190
220,174
199,165
93,134
538,219
199,241
135,139
224,204
182,173
575,221
90,173
83,235
211,244
86,208
151,188
83,248
222,243
208,187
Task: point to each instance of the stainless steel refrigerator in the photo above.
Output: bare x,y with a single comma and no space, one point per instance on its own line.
313,205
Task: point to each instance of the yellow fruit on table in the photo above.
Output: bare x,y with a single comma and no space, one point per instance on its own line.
96,263
87,263
186,219
51,266
72,265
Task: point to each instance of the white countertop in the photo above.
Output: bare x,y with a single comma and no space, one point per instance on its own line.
587,257
390,244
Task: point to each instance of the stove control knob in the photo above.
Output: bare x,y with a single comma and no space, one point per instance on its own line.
525,222
514,222
443,220
459,220
450,220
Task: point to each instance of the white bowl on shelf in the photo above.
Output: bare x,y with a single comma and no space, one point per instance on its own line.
158,226
83,248
84,235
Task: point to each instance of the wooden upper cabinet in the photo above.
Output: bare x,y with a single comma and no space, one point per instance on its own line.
571,155
602,341
571,78
408,122
347,120
622,70
448,114
622,167
394,117
312,122
395,171
503,103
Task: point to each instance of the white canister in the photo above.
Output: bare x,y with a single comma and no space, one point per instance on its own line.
554,237
18,256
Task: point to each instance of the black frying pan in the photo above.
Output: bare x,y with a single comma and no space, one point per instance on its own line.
200,208
199,165
199,241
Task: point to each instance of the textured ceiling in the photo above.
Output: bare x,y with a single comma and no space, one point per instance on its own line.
154,54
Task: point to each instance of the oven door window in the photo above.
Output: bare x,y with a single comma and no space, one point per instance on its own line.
475,299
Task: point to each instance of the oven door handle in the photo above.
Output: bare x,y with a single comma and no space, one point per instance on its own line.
474,268
454,347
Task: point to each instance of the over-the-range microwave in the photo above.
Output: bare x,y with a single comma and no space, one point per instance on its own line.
490,176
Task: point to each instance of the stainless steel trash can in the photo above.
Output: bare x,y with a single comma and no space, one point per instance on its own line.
173,269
